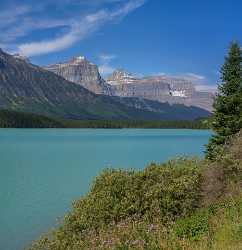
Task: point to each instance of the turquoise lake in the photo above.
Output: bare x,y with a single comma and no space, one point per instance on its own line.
43,171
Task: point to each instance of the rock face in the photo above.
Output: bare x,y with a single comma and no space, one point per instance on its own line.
29,88
159,88
79,70
120,76
124,84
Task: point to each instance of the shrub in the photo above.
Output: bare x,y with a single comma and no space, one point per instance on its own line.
167,191
194,227
160,193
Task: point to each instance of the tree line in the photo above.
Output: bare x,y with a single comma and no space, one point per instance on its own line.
118,124
14,119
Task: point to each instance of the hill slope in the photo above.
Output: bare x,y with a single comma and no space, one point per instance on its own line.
29,88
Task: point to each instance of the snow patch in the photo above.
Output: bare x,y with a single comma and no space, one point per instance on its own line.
81,57
179,93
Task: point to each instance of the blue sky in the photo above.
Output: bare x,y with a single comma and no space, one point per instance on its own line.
182,38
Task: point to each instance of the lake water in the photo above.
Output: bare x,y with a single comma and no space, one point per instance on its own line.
43,171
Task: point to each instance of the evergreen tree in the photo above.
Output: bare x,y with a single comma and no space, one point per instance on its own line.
227,117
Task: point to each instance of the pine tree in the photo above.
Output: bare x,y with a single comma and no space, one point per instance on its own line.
227,116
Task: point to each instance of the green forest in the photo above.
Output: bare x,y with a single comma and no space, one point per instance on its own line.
13,119
197,124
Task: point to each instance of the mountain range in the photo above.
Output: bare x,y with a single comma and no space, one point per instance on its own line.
30,88
159,88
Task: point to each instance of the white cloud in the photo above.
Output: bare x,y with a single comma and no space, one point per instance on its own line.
79,29
200,82
45,47
105,68
206,88
10,16
19,20
27,25
106,58
195,77
159,74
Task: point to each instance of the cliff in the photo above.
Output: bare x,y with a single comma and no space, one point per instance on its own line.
160,88
124,84
79,70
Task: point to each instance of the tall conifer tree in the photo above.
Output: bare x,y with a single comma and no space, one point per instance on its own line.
227,117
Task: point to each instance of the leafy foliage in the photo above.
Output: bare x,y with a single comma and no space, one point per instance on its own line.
194,227
167,191
164,192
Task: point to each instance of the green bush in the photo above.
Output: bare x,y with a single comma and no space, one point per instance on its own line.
160,193
167,191
194,227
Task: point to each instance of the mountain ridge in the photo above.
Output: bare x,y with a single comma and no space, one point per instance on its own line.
29,88
161,88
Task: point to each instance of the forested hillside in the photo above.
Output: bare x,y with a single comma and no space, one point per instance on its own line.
12,119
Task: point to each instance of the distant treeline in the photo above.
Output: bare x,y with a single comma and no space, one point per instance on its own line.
197,124
13,119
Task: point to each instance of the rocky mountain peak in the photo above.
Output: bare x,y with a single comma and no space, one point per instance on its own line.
32,89
80,71
79,59
121,76
162,88
122,73
22,57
